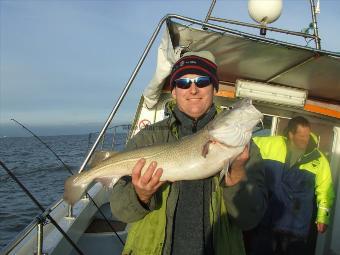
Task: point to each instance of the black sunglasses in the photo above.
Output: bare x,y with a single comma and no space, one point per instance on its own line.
185,83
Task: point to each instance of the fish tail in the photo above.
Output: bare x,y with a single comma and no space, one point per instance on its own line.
74,189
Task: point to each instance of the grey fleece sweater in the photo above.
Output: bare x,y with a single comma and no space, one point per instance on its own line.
192,230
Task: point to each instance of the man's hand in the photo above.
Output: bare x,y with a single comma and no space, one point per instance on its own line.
146,185
237,170
322,227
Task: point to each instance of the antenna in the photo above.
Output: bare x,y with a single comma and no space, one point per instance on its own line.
264,12
317,8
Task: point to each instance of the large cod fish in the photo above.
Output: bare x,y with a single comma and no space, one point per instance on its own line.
198,156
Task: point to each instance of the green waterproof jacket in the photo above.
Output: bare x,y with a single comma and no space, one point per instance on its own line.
232,209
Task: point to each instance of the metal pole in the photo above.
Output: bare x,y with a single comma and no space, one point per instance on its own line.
125,90
274,29
273,129
70,212
40,237
315,26
103,141
113,138
209,13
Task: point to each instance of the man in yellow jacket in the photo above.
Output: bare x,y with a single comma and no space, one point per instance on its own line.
300,187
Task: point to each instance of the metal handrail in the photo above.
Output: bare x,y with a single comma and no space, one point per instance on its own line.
314,36
315,25
274,29
29,228
212,5
22,236
123,126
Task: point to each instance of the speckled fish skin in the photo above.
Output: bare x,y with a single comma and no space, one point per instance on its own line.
222,139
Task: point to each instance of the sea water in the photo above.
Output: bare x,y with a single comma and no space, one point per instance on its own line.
41,173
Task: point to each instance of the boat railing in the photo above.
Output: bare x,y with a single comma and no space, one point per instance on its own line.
11,246
114,139
37,224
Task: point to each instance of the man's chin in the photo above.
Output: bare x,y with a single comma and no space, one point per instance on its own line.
196,113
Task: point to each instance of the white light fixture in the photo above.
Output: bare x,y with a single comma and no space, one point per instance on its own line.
271,93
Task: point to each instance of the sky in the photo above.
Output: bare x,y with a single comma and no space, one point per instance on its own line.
64,63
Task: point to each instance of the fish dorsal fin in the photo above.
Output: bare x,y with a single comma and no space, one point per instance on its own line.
100,156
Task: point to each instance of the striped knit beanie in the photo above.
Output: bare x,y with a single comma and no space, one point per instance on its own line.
200,63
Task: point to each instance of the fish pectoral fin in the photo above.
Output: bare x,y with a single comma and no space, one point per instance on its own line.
205,148
108,181
224,171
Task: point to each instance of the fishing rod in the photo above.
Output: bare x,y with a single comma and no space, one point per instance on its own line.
5,177
87,194
40,207
46,145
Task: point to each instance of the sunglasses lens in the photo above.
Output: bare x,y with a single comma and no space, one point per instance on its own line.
183,83
202,82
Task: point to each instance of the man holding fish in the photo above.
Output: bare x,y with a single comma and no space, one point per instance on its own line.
189,209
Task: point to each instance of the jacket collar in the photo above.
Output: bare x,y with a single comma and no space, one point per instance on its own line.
174,121
188,125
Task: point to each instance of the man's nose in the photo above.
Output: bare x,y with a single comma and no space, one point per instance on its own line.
193,88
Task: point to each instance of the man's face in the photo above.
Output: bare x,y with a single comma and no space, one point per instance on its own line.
194,101
301,137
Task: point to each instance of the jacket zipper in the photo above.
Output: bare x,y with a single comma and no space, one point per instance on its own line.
194,126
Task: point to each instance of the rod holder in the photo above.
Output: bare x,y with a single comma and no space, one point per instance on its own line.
70,212
40,235
40,238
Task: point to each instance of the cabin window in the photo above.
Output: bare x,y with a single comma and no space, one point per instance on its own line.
264,128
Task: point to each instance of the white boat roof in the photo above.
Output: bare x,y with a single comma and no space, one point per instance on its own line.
244,56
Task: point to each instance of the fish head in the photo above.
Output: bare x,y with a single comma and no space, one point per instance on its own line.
234,127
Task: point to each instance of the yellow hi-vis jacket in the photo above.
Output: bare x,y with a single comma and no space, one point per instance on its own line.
294,190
